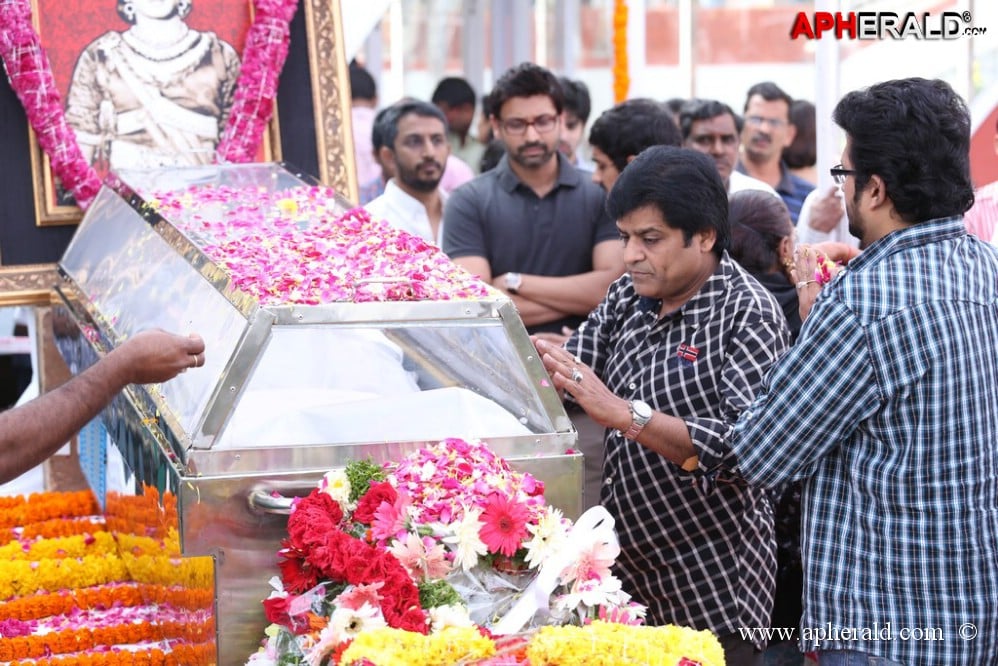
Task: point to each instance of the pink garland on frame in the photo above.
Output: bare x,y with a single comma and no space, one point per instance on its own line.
30,75
263,59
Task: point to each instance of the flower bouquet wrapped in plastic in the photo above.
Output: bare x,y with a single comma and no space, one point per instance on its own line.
451,546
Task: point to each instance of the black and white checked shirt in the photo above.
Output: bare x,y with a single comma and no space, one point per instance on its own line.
887,406
697,550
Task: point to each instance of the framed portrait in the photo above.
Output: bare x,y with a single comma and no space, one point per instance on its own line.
143,84
313,105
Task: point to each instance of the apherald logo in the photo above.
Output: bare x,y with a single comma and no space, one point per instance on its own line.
878,25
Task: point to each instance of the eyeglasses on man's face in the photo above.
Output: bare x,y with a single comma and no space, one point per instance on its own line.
759,121
542,124
839,174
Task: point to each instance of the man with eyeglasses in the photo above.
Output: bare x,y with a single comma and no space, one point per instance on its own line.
534,226
711,127
886,405
766,132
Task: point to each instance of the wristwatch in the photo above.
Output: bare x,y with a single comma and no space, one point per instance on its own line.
640,416
513,282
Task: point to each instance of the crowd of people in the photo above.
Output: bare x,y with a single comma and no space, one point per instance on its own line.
788,434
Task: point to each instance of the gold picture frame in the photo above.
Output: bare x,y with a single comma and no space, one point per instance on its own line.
69,35
30,284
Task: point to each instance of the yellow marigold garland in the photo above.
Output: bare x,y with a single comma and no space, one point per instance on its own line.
396,647
59,548
621,76
19,578
61,556
610,644
194,572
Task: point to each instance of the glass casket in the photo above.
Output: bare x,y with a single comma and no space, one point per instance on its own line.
289,390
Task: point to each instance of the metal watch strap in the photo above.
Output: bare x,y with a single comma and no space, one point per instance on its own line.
634,430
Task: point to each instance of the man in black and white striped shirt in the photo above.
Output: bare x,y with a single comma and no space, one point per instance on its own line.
674,353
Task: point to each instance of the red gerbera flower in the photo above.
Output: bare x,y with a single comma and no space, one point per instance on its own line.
504,525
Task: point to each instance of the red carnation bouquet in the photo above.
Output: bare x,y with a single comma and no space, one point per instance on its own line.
449,538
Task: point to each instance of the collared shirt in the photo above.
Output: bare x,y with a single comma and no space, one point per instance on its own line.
695,557
738,181
982,218
887,407
792,189
498,217
405,212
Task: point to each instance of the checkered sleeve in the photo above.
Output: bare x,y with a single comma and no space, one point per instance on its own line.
816,395
753,348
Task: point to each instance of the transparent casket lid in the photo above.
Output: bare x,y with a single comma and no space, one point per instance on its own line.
301,373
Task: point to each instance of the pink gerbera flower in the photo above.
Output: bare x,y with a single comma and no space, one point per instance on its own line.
504,524
390,519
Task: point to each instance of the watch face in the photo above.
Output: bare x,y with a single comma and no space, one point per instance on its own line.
641,410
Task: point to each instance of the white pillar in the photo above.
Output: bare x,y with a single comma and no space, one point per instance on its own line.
473,43
826,95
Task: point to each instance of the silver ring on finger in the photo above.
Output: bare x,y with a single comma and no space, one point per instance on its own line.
576,376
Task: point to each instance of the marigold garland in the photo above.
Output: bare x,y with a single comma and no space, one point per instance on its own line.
58,548
194,572
76,640
43,605
180,654
611,644
394,646
39,507
62,563
58,527
20,577
621,75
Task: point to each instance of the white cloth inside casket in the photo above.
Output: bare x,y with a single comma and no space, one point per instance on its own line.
352,387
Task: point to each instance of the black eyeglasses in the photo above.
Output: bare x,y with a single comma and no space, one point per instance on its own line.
542,124
839,174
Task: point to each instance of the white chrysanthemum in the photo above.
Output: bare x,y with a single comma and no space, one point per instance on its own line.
547,537
337,485
344,624
465,542
454,615
591,593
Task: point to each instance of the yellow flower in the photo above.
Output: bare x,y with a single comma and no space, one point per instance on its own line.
395,647
610,644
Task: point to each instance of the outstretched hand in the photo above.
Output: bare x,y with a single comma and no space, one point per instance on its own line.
155,356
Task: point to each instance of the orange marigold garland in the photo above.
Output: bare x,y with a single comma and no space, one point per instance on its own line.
621,75
37,606
68,577
15,511
58,527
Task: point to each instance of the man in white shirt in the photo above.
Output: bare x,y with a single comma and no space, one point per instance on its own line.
712,128
415,142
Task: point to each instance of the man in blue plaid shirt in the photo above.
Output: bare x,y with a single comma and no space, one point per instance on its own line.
887,406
